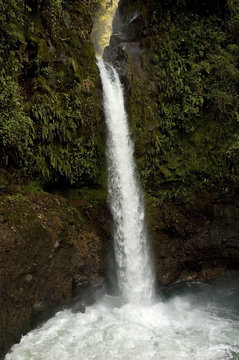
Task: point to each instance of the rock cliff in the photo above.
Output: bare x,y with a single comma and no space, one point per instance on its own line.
179,63
53,250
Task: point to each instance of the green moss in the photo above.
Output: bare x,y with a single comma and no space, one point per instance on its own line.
48,64
184,117
44,53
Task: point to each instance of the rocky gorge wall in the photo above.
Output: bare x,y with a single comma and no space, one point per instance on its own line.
179,63
51,122
51,136
53,256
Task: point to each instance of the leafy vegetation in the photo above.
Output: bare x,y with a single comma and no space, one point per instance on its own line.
186,121
50,113
184,111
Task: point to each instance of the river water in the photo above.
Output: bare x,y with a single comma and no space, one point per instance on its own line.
192,321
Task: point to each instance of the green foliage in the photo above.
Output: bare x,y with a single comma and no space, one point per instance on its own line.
194,78
15,127
232,155
52,13
50,114
184,130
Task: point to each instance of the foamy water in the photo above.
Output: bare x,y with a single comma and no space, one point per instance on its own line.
198,322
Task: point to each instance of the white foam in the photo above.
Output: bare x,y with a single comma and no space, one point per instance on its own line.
175,330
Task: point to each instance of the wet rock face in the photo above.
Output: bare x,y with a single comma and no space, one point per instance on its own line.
125,47
197,235
200,240
125,40
196,243
48,253
129,25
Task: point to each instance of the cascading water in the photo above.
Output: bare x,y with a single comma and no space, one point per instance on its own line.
182,327
131,248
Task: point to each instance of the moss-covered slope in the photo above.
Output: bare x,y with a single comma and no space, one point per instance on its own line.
50,249
180,66
51,134
50,112
182,78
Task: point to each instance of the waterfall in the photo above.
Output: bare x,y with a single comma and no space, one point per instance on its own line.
200,321
135,275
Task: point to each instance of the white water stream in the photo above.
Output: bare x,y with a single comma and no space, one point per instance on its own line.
130,240
197,324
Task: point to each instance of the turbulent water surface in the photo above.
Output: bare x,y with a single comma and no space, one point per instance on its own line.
197,321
